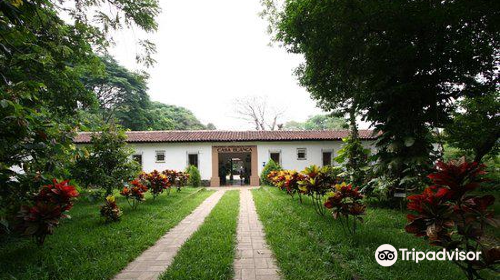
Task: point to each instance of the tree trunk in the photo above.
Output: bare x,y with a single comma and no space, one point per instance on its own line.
352,123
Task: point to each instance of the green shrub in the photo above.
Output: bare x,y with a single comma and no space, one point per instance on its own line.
106,162
270,166
194,176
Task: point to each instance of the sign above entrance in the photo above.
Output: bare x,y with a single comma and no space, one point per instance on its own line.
234,149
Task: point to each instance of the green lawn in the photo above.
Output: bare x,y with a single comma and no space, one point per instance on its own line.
309,246
209,253
86,248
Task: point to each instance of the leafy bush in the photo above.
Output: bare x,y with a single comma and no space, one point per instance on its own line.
316,183
110,211
270,166
182,180
346,201
49,206
447,215
287,180
178,178
134,193
107,159
354,160
157,182
194,176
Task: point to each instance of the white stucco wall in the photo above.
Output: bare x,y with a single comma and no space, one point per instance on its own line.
176,154
289,152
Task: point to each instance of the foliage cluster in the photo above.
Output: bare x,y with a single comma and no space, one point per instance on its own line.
48,206
268,168
194,176
110,210
401,65
316,183
449,215
108,159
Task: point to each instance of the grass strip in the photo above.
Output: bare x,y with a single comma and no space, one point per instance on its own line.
309,246
209,253
84,247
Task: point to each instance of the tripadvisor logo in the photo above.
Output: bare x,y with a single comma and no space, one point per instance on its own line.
387,255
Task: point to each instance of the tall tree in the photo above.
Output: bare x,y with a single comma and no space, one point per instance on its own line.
42,60
171,117
399,64
318,122
121,94
475,127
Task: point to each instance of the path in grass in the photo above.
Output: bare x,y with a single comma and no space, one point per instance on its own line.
209,253
152,262
309,246
254,260
84,247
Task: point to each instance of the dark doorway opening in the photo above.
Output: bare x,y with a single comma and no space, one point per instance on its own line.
235,169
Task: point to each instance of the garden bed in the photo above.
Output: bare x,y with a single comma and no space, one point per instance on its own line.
84,247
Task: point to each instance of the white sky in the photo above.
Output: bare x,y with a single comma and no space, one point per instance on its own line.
211,52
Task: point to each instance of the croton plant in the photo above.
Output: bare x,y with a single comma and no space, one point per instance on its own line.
49,205
316,182
157,182
287,180
111,211
134,193
344,202
448,214
178,178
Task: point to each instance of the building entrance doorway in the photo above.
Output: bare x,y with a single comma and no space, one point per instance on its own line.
235,169
234,165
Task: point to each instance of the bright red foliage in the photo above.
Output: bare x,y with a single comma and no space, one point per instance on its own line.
50,205
448,216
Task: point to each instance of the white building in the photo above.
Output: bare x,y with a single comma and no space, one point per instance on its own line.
215,153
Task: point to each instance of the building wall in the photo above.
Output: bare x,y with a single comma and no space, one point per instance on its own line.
176,154
314,150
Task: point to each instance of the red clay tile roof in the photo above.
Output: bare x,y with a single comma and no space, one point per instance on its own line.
229,136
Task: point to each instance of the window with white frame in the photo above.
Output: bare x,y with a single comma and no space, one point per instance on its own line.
160,156
301,153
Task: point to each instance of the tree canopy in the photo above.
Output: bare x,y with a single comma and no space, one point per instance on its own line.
43,59
318,122
171,117
475,127
399,64
122,98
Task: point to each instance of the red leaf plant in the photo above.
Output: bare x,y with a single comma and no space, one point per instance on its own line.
50,205
316,182
134,193
156,181
111,211
178,178
346,201
449,216
287,180
181,180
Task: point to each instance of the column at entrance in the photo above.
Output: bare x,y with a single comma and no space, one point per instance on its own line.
215,180
254,177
